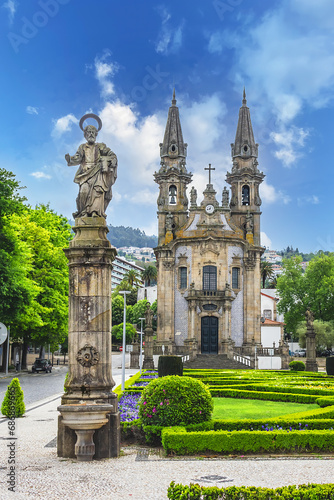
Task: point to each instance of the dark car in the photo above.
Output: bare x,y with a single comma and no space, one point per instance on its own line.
326,353
42,365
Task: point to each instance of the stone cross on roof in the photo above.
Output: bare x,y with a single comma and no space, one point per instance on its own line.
210,169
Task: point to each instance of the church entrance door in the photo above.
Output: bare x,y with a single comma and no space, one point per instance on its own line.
209,335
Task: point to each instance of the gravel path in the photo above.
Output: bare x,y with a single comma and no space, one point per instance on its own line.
140,473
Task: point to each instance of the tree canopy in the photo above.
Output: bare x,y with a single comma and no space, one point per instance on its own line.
313,288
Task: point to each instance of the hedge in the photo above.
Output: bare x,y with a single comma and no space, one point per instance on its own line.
177,440
271,396
304,491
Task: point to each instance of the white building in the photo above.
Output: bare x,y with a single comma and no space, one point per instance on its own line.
120,268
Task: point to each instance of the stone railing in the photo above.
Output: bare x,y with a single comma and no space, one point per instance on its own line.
244,360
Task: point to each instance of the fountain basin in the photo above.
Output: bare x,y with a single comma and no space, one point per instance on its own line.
84,419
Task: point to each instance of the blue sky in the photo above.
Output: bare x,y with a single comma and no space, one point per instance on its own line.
120,60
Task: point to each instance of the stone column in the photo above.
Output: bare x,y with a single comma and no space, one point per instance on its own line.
90,381
134,355
311,361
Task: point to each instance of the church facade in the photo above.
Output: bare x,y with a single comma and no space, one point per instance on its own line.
208,253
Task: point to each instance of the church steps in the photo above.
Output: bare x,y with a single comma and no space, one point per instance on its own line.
216,361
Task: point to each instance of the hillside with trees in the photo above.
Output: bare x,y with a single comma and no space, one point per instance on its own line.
121,236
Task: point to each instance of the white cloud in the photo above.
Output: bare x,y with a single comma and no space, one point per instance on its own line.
104,71
11,6
270,195
308,200
41,175
170,37
31,110
63,124
265,240
216,42
290,141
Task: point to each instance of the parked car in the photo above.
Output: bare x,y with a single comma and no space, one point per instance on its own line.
301,353
326,353
41,365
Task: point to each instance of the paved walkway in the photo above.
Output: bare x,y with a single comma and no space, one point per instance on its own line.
140,473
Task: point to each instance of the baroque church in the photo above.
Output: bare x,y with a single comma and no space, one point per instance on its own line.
208,253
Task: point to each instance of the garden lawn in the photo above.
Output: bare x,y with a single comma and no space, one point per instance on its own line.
229,408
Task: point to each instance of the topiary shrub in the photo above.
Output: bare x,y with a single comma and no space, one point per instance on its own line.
330,365
174,400
170,365
297,366
13,405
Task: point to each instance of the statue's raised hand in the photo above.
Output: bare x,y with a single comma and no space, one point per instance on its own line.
67,158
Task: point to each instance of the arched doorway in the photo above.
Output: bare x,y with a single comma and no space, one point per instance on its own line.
209,335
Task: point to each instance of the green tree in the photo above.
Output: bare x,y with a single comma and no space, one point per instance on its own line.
324,334
138,311
313,289
131,298
149,274
15,289
13,404
291,291
45,321
319,286
266,272
132,277
117,332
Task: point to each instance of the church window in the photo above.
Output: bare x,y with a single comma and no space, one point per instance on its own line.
267,313
209,278
183,277
245,195
235,277
172,195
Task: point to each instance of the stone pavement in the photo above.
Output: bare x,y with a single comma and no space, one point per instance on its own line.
140,473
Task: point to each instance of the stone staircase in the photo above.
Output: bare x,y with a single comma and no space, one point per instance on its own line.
216,361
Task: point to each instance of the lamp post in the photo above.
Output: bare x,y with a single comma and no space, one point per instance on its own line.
141,345
124,293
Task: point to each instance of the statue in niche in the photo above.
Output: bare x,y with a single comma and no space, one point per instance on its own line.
249,223
169,222
97,172
225,198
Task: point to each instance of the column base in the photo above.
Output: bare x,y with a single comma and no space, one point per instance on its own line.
311,365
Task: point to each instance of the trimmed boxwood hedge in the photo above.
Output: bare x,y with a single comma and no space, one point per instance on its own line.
303,491
269,396
178,441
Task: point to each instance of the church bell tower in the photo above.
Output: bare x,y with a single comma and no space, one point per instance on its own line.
172,178
245,177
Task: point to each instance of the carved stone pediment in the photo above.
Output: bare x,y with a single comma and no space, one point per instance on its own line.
182,260
209,246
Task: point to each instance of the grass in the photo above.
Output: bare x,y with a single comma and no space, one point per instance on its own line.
229,408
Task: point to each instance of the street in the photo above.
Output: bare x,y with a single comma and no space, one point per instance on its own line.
37,386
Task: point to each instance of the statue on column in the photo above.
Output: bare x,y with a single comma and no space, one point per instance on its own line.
148,316
97,172
309,318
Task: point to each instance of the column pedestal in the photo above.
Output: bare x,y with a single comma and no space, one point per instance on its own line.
90,381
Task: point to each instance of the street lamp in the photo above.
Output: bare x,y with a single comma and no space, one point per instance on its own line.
124,293
141,345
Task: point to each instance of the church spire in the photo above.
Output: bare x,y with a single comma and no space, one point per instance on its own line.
173,145
244,144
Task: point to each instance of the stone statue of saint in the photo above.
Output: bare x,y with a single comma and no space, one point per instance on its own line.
96,174
309,318
249,223
225,198
169,222
193,198
148,316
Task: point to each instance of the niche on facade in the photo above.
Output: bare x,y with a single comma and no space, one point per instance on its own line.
245,195
172,194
